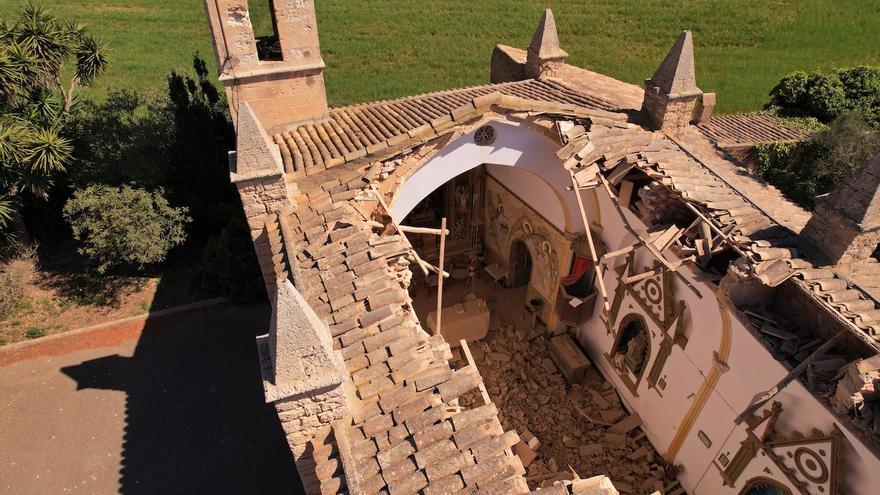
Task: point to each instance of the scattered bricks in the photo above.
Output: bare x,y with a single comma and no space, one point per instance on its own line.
477,433
374,387
637,454
405,467
462,382
433,434
388,250
591,450
474,416
626,424
446,465
341,291
395,398
331,261
433,378
407,486
493,446
447,485
375,316
411,409
395,454
599,399
525,453
326,250
404,357
559,489
356,259
341,302
424,420
612,415
377,425
439,450
615,439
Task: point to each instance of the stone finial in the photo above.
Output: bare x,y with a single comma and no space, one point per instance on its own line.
845,225
672,92
544,50
300,350
256,154
676,75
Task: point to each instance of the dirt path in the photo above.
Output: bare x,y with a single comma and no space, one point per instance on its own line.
178,410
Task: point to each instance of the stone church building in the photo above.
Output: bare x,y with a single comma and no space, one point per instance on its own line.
553,282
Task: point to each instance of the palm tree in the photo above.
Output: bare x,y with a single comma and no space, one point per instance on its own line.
36,102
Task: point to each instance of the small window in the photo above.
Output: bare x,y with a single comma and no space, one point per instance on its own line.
704,438
485,135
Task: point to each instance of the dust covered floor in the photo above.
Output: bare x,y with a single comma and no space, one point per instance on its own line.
574,425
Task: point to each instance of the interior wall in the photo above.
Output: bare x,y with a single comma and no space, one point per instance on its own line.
508,219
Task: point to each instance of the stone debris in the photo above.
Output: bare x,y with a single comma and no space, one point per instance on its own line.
858,394
582,426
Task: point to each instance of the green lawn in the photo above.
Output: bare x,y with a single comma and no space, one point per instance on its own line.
378,49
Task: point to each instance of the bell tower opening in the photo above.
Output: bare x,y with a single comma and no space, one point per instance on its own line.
262,13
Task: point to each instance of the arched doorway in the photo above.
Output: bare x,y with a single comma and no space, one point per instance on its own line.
764,486
521,261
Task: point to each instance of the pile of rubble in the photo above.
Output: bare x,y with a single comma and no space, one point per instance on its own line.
566,430
858,394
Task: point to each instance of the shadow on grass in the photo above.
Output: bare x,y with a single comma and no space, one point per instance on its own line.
196,420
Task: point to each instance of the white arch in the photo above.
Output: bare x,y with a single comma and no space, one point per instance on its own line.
515,145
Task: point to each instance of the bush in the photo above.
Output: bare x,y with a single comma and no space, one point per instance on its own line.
229,266
814,167
829,96
15,274
120,226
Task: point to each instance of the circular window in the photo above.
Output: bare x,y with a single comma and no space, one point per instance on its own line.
485,135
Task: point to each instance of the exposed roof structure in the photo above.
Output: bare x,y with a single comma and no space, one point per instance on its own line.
357,131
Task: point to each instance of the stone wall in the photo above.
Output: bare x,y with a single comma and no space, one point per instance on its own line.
665,113
838,237
303,416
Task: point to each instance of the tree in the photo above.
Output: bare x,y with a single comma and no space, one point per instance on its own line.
36,50
119,226
829,96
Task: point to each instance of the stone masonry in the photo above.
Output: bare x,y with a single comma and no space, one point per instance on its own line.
846,222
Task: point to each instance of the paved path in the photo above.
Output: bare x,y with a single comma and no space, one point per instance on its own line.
178,410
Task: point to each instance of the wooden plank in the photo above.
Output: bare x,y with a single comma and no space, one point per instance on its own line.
440,276
595,258
626,192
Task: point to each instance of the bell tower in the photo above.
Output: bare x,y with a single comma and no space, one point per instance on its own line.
281,76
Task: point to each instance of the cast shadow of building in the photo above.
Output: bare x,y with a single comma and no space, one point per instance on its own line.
196,421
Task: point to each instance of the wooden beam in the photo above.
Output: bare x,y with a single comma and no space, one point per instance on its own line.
419,260
759,400
421,230
440,275
598,267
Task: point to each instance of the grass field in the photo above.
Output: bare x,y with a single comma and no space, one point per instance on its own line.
377,49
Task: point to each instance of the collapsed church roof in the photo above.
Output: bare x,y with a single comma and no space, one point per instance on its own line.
315,194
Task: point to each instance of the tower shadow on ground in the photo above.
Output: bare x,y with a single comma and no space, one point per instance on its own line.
196,421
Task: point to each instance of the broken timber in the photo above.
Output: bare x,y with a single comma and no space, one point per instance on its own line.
599,276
